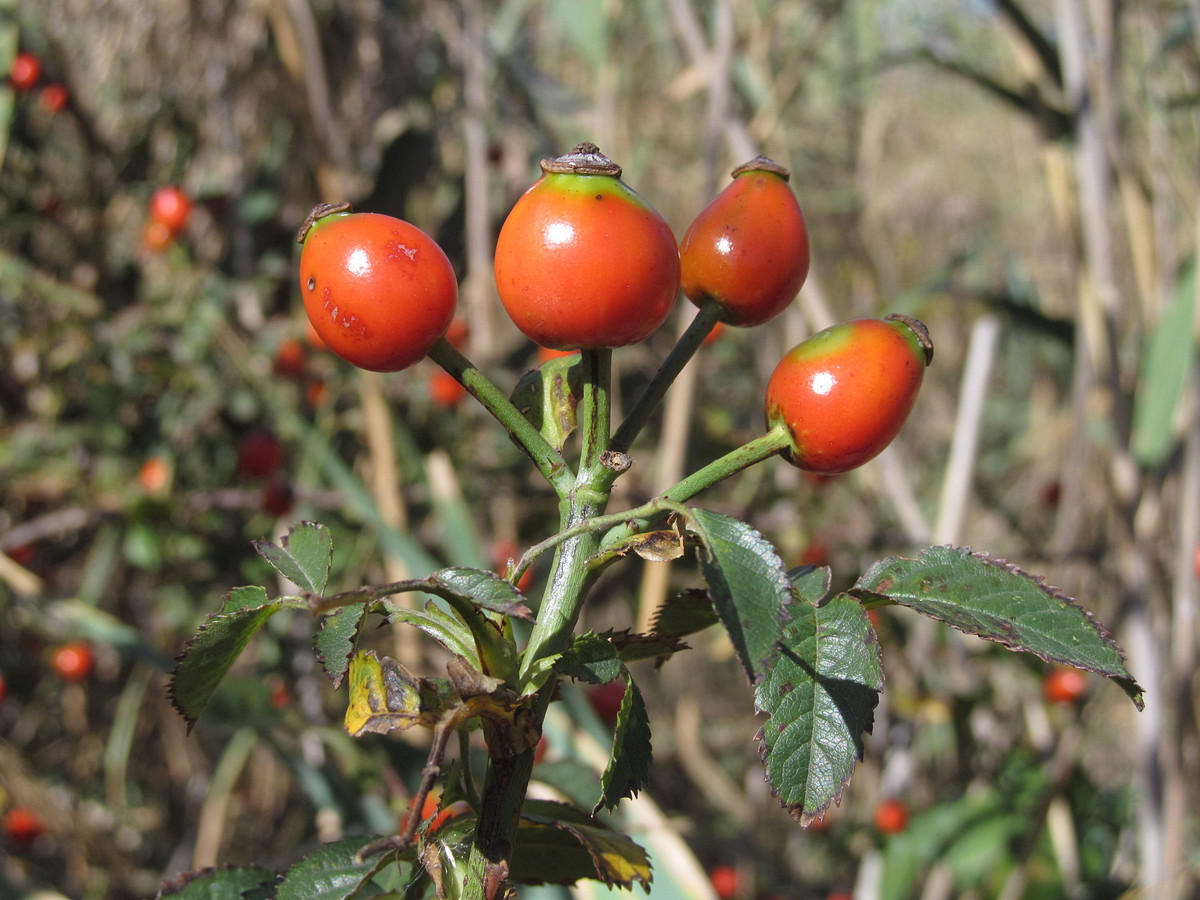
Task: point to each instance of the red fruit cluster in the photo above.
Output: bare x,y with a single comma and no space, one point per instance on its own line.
581,262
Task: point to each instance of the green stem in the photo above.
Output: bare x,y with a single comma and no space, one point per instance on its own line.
548,460
507,779
596,524
749,454
685,348
597,413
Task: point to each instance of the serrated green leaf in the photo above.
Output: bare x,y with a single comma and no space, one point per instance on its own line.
810,583
999,602
684,614
1167,358
330,873
485,590
234,883
592,659
444,627
474,592
303,558
633,646
748,586
210,653
628,769
820,697
250,596
335,640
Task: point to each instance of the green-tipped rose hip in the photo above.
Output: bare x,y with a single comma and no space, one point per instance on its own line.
844,393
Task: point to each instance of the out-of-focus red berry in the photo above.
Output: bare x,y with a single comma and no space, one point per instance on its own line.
172,207
1051,493
277,499
726,881
289,358
1064,685
22,826
606,699
891,816
316,392
25,71
155,475
22,554
715,335
815,554
445,391
457,333
3,688
73,661
280,697
54,98
260,455
505,551
156,237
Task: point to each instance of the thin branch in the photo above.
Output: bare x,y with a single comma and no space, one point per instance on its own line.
1042,46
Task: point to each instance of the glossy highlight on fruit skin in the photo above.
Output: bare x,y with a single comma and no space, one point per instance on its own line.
844,393
378,291
748,250
583,262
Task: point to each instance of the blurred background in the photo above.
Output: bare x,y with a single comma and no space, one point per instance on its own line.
1020,175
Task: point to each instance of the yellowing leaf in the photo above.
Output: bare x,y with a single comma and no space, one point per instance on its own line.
384,696
558,844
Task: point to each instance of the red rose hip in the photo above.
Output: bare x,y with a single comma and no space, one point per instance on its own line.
582,261
747,251
844,393
378,291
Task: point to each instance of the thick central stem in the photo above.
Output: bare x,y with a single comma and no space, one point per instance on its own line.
507,778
